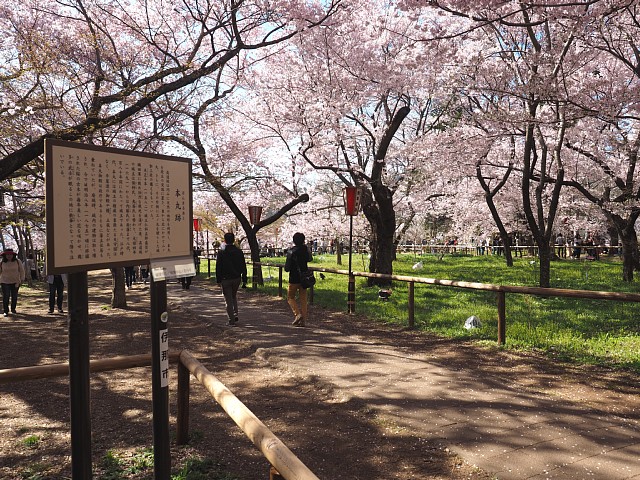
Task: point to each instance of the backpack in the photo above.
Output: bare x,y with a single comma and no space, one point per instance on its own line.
307,279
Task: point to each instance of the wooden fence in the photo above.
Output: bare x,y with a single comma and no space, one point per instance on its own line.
284,464
500,290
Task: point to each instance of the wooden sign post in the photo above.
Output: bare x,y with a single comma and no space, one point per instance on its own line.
111,208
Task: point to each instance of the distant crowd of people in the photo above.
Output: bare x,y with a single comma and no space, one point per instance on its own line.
231,269
589,246
136,274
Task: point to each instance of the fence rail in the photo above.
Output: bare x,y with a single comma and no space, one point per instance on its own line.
36,372
501,291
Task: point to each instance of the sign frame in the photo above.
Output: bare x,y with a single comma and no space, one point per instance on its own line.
177,169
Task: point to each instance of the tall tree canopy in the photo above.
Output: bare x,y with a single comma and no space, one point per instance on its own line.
486,117
81,69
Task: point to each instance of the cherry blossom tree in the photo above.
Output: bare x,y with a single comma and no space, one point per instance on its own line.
77,67
236,162
525,77
481,181
610,182
21,211
114,72
339,101
607,142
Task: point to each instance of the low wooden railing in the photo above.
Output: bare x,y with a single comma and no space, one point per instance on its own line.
501,291
283,460
284,464
36,372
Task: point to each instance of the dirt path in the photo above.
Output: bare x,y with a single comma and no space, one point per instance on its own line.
339,432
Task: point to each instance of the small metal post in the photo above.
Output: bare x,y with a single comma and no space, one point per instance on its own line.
280,281
351,295
208,266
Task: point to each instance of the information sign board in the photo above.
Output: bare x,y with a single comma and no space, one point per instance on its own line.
108,207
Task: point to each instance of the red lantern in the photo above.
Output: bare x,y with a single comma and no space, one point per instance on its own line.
196,225
254,214
351,200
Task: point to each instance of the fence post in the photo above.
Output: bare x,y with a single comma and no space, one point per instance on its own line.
502,322
280,281
412,318
209,267
182,419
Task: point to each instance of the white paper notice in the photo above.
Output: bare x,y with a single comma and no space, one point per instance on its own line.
164,357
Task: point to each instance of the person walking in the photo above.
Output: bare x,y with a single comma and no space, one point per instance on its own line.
231,269
297,258
56,291
186,281
11,276
32,267
128,276
560,246
144,273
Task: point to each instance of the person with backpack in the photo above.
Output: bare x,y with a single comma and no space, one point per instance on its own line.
231,269
296,265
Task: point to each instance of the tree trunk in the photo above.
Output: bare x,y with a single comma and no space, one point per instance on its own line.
252,238
625,229
541,224
28,245
378,208
545,253
489,194
382,235
384,257
118,295
614,240
630,259
508,255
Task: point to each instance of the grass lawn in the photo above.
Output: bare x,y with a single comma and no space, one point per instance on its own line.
599,332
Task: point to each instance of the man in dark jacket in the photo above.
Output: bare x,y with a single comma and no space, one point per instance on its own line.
296,263
231,269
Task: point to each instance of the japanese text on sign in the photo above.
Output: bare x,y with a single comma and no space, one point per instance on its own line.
164,357
107,205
